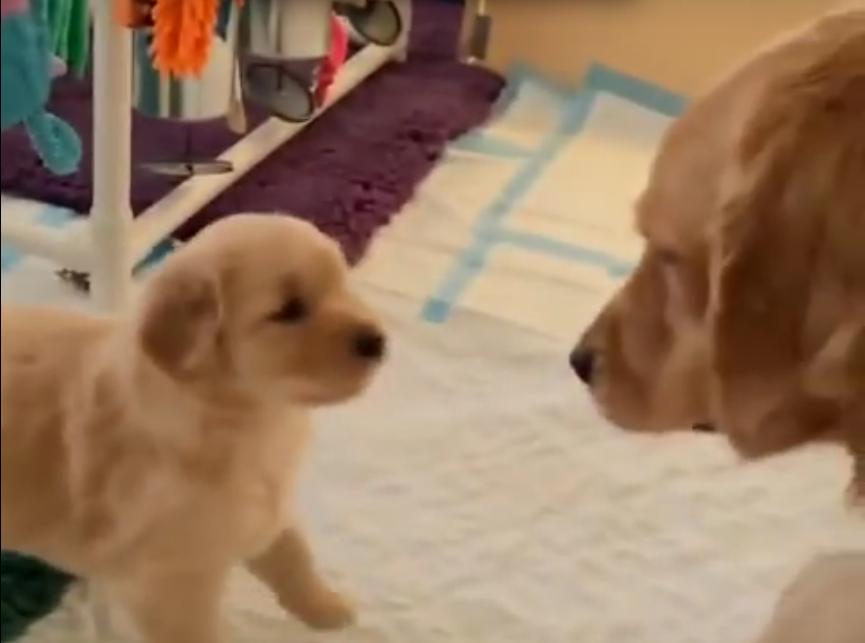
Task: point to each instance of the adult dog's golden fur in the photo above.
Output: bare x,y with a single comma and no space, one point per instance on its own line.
823,604
153,452
747,309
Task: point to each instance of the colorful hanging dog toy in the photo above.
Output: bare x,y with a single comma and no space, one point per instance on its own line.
335,59
183,31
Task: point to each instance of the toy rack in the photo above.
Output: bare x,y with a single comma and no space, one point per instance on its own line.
112,242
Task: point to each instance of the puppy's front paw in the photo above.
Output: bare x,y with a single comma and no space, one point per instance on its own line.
324,609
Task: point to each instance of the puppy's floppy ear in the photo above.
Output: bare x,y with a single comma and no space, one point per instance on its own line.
181,316
795,200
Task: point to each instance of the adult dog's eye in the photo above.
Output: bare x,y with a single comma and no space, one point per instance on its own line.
293,311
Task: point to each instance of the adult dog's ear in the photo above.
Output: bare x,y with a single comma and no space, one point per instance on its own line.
793,218
181,316
838,371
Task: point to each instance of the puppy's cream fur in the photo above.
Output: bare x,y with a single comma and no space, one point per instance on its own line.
747,309
155,451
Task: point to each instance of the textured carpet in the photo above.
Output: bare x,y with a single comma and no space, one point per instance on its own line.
348,172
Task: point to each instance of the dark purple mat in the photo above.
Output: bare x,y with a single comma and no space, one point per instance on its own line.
347,172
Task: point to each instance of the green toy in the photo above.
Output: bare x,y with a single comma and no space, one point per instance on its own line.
29,590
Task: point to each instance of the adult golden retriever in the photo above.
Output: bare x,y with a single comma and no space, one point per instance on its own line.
747,309
153,452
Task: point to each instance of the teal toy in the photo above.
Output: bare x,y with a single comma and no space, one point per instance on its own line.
27,62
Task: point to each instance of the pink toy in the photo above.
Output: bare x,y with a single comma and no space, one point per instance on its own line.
13,6
335,59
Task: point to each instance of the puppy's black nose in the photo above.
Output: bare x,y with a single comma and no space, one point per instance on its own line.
369,345
583,363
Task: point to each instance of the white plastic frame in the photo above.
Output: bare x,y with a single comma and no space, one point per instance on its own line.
112,242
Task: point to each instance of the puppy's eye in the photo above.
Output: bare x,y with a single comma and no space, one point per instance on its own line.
293,311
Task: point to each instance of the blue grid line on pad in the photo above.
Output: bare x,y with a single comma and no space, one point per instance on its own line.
518,75
50,216
471,262
490,233
53,216
606,79
488,145
616,267
601,78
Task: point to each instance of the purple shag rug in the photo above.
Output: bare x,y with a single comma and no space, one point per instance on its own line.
347,172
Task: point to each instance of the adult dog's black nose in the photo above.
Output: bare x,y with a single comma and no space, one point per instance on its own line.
583,363
369,345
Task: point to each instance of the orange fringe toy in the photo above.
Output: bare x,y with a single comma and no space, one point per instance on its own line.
182,34
183,31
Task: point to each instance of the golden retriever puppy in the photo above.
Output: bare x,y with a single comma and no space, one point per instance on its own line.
153,452
823,604
747,309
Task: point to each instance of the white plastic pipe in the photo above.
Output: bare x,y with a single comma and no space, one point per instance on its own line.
111,216
164,217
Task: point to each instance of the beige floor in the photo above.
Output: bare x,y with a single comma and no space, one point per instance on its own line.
680,44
